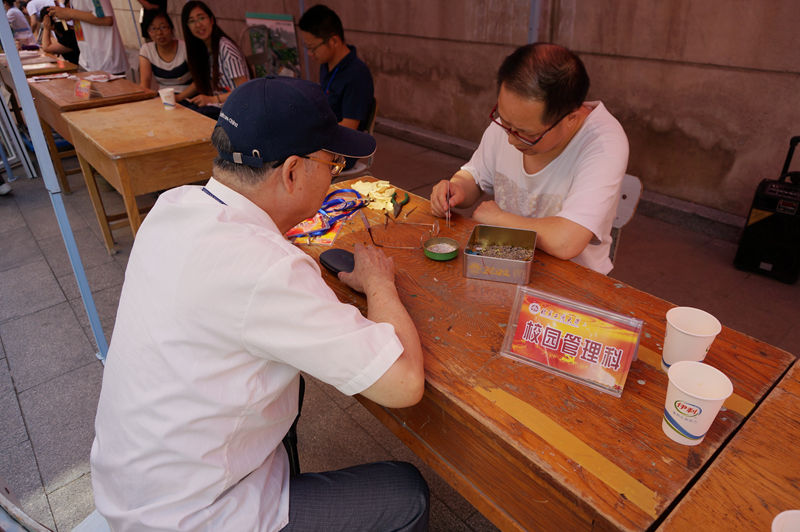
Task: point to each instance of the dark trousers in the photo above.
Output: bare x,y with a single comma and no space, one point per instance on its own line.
375,497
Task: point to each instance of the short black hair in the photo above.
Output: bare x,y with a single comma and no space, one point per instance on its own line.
151,14
322,21
548,73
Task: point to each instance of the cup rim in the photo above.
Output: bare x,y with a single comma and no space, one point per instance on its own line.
689,333
697,396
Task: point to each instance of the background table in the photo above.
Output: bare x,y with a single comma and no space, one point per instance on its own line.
57,96
33,66
757,474
527,448
139,148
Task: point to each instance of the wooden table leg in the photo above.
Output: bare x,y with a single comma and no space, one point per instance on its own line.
130,200
97,203
55,156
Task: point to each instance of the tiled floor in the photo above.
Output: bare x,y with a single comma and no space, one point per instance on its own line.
50,379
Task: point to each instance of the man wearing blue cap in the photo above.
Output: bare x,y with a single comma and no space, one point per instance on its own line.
218,315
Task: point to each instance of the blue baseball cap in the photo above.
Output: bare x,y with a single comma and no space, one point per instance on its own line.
272,118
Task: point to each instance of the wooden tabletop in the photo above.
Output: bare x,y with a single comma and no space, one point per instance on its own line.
756,476
529,449
138,128
61,93
38,66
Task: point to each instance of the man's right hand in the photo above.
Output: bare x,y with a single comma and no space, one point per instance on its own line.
439,196
373,269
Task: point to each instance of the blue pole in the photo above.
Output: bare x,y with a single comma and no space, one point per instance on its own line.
50,181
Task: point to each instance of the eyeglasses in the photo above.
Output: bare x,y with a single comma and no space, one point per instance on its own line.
157,29
495,117
313,49
338,163
197,20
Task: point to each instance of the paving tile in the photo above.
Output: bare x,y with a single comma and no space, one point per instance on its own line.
72,503
106,302
30,193
479,523
13,427
45,344
99,277
28,288
18,470
42,221
19,248
442,519
60,418
91,250
10,215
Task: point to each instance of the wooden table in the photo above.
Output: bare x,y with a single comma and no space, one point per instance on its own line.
139,148
756,475
531,450
57,96
33,66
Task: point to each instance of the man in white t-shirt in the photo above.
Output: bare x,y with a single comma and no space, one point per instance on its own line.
218,315
553,161
99,41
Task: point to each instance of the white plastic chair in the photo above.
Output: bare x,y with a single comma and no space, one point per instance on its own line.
630,193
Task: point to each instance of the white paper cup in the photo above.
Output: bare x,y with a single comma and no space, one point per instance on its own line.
690,332
167,98
788,521
695,394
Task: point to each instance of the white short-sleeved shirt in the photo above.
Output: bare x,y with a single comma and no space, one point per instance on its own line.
218,313
34,6
20,27
232,65
168,74
101,46
582,184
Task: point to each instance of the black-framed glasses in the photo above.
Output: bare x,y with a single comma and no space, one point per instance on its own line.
337,164
312,49
495,117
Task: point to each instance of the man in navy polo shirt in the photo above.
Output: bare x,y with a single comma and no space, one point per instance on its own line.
344,77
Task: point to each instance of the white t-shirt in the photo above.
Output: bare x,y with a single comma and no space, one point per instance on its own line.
101,46
34,6
19,26
217,315
175,73
582,184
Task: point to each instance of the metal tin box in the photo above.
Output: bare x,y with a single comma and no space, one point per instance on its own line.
494,268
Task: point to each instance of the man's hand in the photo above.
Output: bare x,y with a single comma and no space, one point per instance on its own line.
373,269
63,13
439,203
203,100
488,213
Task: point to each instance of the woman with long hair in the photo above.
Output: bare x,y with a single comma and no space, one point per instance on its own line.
164,56
216,63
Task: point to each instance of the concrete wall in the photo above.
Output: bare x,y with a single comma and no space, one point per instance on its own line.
706,90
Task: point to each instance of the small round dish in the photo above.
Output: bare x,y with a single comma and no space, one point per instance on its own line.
440,248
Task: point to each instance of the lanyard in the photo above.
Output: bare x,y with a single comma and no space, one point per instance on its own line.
212,195
330,78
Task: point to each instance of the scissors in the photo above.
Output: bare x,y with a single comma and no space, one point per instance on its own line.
398,205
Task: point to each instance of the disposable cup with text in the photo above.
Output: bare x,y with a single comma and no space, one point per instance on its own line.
690,332
695,394
167,98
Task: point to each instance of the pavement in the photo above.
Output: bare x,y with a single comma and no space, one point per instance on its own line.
50,378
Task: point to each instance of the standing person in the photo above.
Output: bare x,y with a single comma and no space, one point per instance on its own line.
98,39
163,58
201,380
33,9
345,78
58,37
19,24
553,161
216,63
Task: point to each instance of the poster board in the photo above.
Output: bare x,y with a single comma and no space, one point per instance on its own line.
270,44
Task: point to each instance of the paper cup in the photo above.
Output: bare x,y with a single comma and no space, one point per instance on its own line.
167,98
695,394
788,521
690,332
